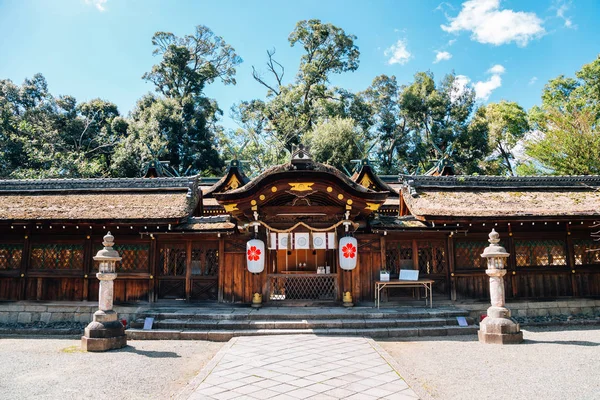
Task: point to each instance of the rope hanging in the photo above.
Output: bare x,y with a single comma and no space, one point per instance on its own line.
310,228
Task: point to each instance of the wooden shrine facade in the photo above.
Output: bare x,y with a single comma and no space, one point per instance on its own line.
185,238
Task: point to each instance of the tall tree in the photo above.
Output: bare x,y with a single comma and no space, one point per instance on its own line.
293,109
186,117
444,118
391,126
507,125
569,115
569,146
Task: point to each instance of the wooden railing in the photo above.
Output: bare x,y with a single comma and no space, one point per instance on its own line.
322,287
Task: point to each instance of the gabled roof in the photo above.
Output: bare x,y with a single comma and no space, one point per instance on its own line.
298,184
366,177
233,179
438,197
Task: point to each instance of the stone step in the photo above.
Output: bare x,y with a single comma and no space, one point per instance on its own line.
193,324
308,315
225,335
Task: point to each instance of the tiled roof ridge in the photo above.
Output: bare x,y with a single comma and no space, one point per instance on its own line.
502,182
94,184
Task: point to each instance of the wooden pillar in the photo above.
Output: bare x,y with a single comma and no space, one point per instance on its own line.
221,269
152,269
415,250
188,270
511,263
88,252
451,268
571,262
24,266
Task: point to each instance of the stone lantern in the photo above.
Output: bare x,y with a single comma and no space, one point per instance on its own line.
105,332
497,327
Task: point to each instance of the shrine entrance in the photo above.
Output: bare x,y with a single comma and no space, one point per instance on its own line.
187,270
304,272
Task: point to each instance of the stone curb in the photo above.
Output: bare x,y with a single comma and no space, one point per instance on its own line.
16,332
190,388
410,380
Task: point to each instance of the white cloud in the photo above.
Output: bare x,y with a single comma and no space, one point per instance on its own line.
398,53
483,89
99,4
496,70
442,56
533,80
561,13
451,42
489,24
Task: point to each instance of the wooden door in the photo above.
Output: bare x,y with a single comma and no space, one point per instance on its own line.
204,271
171,271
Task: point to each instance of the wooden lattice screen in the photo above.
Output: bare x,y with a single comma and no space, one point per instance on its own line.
10,256
540,253
45,257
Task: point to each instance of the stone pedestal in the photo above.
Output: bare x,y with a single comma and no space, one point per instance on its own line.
497,327
105,332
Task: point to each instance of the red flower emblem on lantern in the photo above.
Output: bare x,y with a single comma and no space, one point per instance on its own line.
253,253
349,250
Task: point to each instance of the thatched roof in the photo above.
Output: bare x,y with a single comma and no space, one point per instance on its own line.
215,223
98,199
506,197
131,206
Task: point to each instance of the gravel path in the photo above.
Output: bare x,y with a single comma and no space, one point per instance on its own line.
552,363
55,368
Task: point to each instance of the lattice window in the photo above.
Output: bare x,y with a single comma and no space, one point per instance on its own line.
10,256
205,261
467,254
302,287
134,257
212,262
57,256
432,257
172,260
540,253
398,256
582,255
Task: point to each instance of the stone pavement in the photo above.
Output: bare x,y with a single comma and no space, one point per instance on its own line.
299,367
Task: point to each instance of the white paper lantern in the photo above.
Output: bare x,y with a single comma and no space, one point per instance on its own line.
348,253
255,255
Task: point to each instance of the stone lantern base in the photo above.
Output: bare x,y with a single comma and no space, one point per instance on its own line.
498,328
104,333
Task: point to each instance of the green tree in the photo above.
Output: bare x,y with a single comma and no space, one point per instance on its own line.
336,142
293,109
443,117
570,107
391,127
507,125
186,118
570,145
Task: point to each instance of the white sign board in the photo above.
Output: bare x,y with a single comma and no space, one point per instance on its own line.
148,323
409,275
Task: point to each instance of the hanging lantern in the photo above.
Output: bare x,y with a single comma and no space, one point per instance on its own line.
348,252
255,254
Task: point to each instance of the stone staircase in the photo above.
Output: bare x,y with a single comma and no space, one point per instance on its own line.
221,324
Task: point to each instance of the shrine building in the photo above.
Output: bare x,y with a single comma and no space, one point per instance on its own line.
299,233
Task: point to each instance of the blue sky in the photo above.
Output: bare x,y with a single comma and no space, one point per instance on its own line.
100,48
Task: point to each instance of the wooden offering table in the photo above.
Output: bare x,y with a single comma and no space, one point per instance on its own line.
425,283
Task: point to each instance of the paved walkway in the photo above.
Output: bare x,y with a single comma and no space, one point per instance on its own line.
299,367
